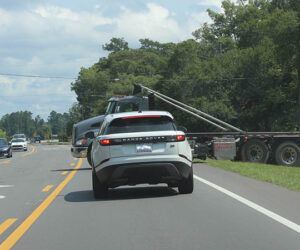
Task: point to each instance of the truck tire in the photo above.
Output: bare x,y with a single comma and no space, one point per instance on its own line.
186,186
255,150
99,190
287,154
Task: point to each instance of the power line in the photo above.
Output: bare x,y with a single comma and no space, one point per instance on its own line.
37,76
117,79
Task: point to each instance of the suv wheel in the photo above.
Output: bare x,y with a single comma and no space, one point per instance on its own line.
186,186
99,190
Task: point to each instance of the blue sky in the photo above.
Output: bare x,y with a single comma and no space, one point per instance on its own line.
57,38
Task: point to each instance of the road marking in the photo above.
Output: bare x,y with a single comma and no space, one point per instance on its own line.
47,188
64,173
75,159
253,205
29,153
6,224
66,147
4,186
12,239
72,164
5,162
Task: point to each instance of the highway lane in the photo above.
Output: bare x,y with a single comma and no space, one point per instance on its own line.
142,217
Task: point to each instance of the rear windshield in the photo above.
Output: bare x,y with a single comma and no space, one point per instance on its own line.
17,140
3,141
141,124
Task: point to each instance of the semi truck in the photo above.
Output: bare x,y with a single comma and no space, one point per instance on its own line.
231,143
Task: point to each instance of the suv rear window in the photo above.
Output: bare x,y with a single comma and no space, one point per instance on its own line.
141,124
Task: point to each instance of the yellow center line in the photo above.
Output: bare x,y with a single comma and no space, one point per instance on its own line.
64,173
66,147
47,188
6,224
5,162
29,153
13,238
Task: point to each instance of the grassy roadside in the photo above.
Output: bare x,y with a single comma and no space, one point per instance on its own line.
288,177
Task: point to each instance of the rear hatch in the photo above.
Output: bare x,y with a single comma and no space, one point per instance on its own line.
142,135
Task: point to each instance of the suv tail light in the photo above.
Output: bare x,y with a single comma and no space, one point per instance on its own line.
105,142
180,137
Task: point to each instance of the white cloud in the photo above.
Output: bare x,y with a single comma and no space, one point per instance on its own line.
155,23
215,3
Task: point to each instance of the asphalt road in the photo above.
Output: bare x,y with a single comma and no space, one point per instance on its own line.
46,202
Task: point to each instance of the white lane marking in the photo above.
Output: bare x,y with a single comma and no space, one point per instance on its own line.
253,205
5,186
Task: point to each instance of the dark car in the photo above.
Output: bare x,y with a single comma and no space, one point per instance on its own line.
5,148
37,139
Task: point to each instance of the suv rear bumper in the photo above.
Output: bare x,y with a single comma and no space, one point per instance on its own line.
151,172
79,152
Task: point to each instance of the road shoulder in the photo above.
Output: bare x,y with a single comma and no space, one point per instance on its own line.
275,198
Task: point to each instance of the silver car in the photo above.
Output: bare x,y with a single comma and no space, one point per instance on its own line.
140,147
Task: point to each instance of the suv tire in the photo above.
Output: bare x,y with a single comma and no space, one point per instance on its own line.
186,186
99,190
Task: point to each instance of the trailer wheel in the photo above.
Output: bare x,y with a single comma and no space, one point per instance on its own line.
288,154
255,150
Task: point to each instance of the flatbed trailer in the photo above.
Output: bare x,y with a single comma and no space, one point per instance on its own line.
282,148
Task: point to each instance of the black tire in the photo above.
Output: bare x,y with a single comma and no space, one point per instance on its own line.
9,154
287,154
88,156
186,186
99,190
255,150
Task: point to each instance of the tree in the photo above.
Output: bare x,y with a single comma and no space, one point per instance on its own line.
2,133
115,45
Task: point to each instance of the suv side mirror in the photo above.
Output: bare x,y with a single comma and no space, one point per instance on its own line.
90,135
9,143
182,128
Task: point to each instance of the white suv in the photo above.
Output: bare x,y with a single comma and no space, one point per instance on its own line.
19,144
140,147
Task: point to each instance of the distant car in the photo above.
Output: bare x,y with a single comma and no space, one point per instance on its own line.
19,136
37,139
140,147
19,144
5,148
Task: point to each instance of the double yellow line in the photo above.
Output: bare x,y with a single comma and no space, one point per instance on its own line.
13,238
29,153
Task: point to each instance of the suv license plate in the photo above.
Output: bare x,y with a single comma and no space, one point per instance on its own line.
143,148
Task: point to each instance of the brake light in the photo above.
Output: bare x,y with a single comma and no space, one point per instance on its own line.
180,137
140,116
105,142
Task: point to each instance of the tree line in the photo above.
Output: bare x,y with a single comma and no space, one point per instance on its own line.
57,124
243,68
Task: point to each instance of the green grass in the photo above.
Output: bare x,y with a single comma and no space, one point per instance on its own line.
288,177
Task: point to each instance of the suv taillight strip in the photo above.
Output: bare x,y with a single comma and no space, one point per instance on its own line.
148,139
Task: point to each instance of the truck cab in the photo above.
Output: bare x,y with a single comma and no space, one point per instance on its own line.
81,142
